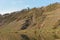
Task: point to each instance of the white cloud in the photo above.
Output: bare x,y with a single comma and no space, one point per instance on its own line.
4,12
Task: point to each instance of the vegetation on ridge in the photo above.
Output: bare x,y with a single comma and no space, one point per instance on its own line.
31,24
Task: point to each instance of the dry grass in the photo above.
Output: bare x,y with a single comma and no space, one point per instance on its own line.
45,24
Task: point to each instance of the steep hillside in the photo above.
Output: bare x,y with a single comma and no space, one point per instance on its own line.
31,24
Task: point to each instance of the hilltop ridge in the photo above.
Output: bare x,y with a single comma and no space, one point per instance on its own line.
14,15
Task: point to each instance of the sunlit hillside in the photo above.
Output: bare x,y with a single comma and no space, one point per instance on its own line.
31,24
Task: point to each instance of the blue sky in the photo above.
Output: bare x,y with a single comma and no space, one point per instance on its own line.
7,6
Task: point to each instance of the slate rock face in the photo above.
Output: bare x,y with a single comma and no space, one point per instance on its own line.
25,37
26,24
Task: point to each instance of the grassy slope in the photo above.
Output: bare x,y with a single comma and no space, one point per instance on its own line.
49,28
